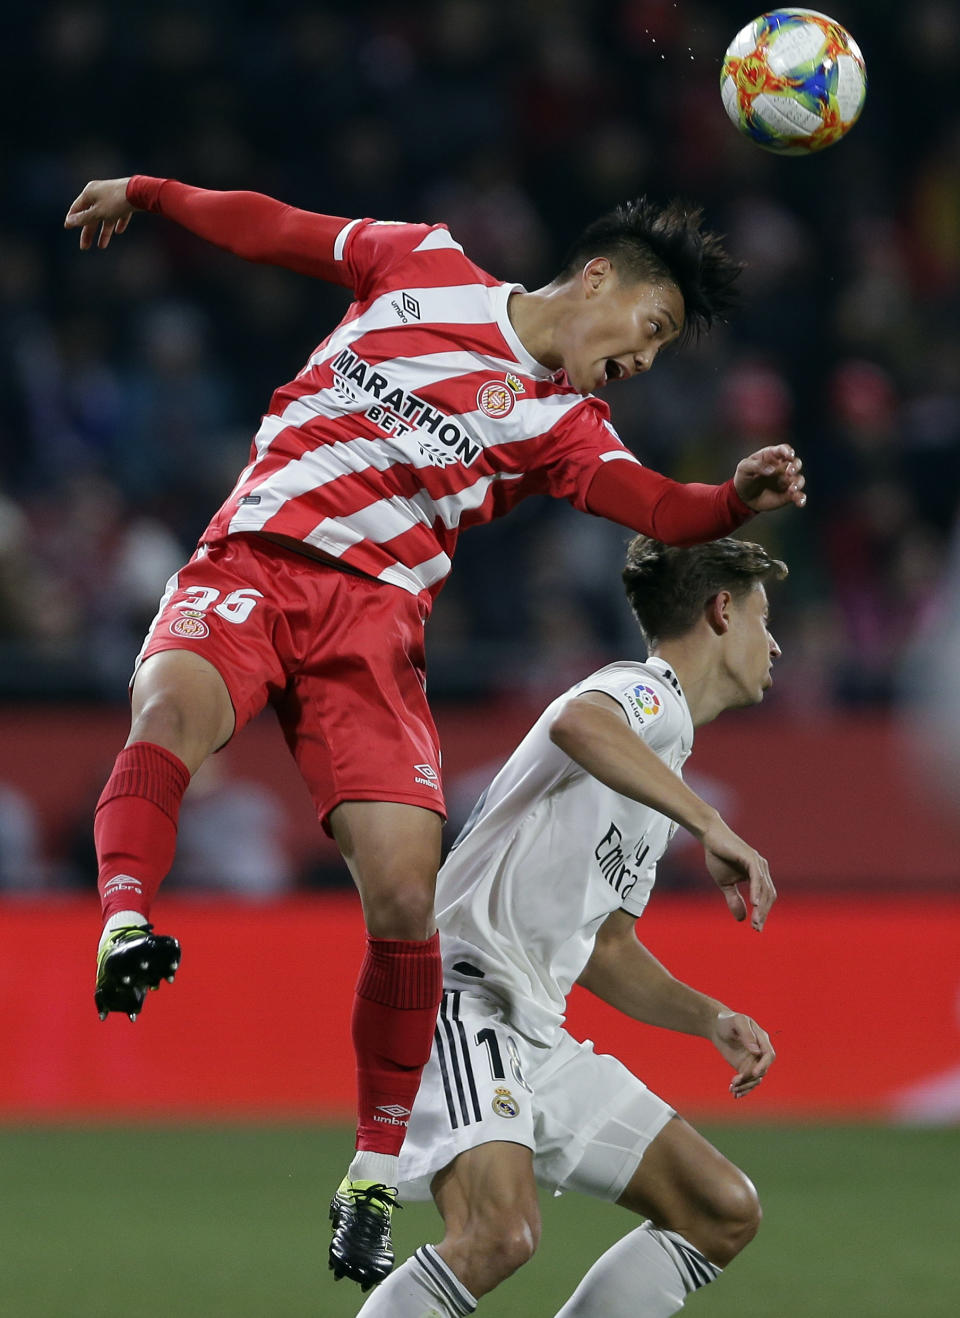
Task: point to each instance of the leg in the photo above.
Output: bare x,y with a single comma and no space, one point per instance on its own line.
180,702
181,712
393,852
686,1185
702,1211
488,1200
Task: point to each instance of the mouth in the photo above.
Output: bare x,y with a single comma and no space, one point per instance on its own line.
613,370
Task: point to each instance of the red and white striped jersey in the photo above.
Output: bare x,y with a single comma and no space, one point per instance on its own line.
420,415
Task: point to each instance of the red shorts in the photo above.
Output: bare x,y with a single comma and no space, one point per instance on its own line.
340,657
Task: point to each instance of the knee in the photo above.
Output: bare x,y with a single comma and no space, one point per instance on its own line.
515,1244
735,1220
402,908
491,1250
161,715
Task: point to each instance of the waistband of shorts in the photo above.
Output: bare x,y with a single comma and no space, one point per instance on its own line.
286,545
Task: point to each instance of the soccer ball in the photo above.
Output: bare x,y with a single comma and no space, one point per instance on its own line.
793,81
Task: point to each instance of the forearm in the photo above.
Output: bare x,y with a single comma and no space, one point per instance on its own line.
249,224
623,973
601,743
667,510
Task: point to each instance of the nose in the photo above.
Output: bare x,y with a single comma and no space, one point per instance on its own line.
642,361
774,649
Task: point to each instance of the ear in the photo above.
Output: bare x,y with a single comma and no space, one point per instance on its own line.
595,274
718,612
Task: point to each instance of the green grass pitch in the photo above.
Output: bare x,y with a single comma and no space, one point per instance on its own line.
227,1222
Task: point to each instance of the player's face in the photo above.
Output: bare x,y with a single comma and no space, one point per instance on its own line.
751,649
619,327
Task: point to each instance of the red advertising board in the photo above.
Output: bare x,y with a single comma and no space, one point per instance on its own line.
861,999
829,801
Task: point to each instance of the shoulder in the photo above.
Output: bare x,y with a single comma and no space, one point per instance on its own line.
373,248
650,697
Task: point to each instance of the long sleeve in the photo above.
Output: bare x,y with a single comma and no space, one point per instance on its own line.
674,513
250,225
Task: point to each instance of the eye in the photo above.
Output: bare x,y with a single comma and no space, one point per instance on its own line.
656,327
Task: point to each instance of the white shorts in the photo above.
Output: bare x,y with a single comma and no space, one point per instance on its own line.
587,1119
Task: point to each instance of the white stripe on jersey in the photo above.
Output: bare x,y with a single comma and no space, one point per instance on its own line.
462,304
451,507
438,238
616,454
420,577
341,240
369,524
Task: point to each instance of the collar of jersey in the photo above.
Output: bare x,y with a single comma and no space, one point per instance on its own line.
500,295
654,661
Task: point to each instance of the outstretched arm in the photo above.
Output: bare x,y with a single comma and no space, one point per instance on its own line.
249,224
622,972
592,729
689,514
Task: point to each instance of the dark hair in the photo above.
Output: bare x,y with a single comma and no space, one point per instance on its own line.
646,241
669,588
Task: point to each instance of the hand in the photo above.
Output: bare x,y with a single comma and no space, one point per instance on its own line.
732,861
770,479
103,202
747,1048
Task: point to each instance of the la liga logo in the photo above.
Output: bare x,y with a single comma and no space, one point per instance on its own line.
646,700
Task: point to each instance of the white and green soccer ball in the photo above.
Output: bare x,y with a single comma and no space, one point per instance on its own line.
793,81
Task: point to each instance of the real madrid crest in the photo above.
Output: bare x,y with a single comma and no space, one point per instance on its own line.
504,1103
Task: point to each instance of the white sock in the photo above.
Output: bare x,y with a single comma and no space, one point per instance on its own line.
647,1274
423,1287
368,1166
119,921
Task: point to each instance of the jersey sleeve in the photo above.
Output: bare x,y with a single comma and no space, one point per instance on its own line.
248,224
577,448
669,511
651,709
356,253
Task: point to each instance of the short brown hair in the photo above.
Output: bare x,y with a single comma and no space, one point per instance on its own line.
669,588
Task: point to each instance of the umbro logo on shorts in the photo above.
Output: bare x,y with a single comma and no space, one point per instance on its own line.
426,776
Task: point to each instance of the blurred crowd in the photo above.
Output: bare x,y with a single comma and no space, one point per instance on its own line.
132,380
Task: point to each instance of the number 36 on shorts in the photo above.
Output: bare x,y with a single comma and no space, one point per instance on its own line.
235,607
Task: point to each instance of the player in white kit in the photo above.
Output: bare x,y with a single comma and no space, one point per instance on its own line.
542,890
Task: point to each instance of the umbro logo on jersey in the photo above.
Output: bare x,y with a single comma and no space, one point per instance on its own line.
426,776
408,308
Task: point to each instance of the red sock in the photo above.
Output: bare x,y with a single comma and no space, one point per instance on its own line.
394,1016
135,827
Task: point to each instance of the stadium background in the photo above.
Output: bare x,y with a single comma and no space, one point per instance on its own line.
130,383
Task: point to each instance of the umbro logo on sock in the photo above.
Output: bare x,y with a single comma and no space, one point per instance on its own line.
396,1114
123,883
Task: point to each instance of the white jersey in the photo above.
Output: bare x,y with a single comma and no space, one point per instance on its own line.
550,852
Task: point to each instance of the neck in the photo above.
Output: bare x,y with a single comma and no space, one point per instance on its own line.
693,660
535,317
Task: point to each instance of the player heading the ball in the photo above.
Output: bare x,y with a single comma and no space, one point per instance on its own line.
443,398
